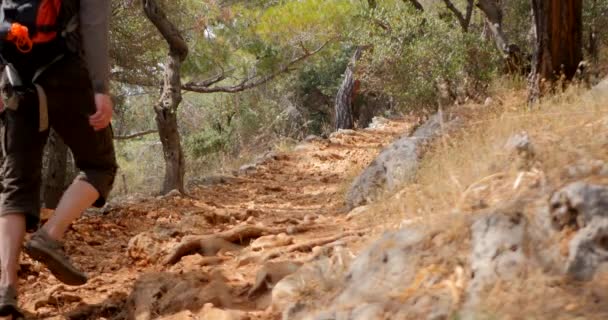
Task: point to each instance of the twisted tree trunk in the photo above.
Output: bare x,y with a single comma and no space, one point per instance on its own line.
559,31
511,53
345,96
171,97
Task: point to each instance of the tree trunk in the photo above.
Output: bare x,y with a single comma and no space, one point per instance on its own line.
171,97
175,167
511,53
559,34
55,171
345,96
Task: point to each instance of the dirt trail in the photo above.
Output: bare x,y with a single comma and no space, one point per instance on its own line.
124,249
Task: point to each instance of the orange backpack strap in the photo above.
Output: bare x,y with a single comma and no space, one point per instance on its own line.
46,21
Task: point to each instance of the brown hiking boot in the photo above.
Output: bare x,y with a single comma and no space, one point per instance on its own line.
8,303
50,253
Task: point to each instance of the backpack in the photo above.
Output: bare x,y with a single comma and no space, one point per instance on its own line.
27,23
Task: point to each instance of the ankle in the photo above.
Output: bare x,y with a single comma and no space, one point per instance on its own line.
9,282
52,233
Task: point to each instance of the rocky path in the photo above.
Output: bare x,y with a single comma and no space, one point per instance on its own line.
216,254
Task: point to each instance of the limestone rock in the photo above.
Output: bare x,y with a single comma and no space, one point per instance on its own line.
292,295
379,285
396,165
378,123
577,204
432,127
498,251
588,249
270,274
584,207
383,269
144,247
521,148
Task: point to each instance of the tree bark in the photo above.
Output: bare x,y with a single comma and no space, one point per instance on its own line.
416,4
463,19
171,97
559,34
175,166
511,53
55,171
345,96
135,135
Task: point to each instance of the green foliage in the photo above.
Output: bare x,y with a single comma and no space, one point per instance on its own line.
407,54
595,14
410,52
307,21
517,23
325,73
205,142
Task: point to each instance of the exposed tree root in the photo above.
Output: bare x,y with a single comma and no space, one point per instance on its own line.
308,245
210,245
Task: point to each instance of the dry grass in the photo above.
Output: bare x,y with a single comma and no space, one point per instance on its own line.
564,129
472,169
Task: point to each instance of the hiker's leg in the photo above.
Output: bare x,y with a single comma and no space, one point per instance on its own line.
22,146
77,198
12,232
72,102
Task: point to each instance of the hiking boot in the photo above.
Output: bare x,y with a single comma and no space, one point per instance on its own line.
8,303
50,253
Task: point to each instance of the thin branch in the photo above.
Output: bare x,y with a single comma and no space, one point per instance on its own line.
135,135
416,4
463,19
469,15
249,82
142,80
383,25
213,80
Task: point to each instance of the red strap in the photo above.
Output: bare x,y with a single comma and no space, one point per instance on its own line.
47,16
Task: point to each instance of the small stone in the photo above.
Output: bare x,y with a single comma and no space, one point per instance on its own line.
143,247
291,230
488,102
521,146
577,204
248,168
312,138
571,307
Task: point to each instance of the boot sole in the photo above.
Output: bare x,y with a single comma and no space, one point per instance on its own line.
58,269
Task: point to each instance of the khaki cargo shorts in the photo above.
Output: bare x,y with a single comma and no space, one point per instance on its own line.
70,101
